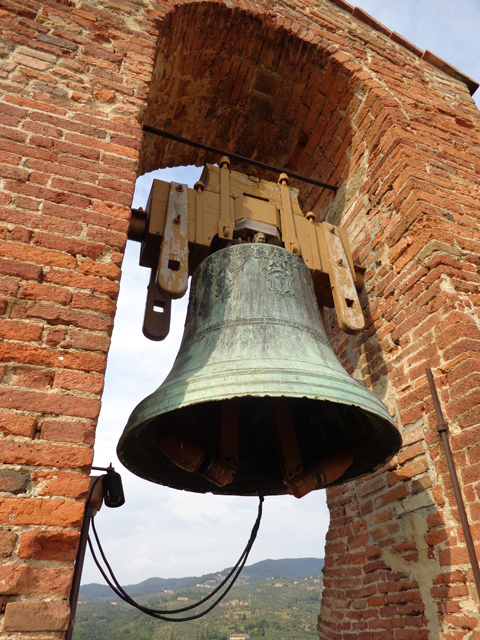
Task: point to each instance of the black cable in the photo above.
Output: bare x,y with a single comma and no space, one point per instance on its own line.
152,613
182,609
242,558
161,613
155,613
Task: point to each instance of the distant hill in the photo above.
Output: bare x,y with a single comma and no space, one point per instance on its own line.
289,569
272,609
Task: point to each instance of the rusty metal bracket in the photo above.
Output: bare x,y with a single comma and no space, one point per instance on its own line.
442,429
172,272
342,280
156,321
288,225
226,222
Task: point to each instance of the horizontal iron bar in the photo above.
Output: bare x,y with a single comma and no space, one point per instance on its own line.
235,156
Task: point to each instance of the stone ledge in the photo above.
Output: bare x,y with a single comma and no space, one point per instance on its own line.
399,39
370,20
450,70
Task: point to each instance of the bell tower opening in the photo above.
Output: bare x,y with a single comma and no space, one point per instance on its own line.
136,367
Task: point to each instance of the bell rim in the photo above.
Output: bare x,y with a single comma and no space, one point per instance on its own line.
276,387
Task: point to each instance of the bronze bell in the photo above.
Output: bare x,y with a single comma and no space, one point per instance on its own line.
256,401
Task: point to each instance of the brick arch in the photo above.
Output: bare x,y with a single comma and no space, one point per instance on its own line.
275,88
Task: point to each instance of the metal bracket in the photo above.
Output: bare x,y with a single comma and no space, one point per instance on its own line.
156,321
182,226
225,224
288,225
172,272
345,297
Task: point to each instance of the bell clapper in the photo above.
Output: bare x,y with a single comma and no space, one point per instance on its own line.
225,465
334,465
183,452
191,456
298,481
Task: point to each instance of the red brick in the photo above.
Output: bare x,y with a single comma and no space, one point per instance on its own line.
462,622
34,379
13,481
32,511
21,270
59,315
17,425
8,542
37,255
88,341
381,516
393,495
94,285
107,237
20,234
93,303
60,546
18,330
99,269
55,337
41,356
61,483
63,431
415,468
40,454
33,291
59,404
383,531
453,556
407,453
68,245
78,381
8,286
90,216
36,616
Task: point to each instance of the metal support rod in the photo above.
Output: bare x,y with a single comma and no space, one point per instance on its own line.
442,429
235,156
77,574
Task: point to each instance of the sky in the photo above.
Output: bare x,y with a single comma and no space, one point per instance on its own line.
161,532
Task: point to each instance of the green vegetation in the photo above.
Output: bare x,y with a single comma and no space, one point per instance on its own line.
272,609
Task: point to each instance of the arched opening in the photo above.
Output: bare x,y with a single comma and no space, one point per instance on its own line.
164,532
255,86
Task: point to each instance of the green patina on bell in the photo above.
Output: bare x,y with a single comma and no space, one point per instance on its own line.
255,361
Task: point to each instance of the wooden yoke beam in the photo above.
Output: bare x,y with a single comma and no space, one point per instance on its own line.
180,228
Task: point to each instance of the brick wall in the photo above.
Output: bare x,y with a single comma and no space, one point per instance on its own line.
319,88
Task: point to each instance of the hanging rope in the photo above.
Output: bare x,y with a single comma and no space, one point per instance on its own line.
165,614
